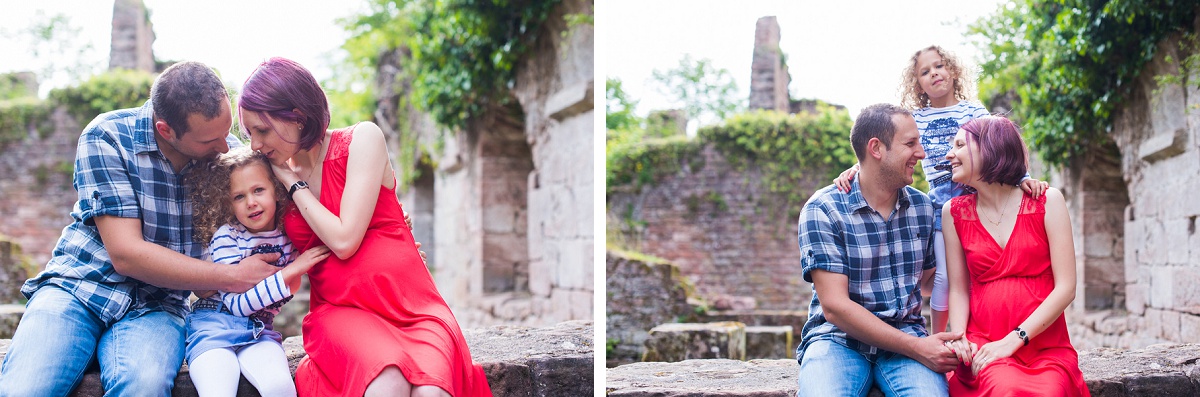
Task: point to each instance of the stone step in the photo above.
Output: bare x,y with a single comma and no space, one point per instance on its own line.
769,342
1164,370
684,341
519,361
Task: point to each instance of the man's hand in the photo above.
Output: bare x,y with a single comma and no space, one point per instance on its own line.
932,352
251,270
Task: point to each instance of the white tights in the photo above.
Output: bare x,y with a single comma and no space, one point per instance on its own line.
215,372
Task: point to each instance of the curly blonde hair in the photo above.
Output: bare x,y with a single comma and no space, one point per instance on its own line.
911,94
209,184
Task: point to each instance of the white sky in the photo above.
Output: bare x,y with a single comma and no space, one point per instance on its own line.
844,52
231,36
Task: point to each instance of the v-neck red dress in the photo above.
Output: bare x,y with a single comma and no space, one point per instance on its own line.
1007,284
379,307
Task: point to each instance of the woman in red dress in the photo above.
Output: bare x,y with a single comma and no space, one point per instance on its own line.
1011,266
377,325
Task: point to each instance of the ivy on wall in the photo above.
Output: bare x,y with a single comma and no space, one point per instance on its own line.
19,115
1070,63
111,90
786,147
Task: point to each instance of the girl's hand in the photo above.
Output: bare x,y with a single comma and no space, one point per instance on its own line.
1034,187
993,351
311,257
847,176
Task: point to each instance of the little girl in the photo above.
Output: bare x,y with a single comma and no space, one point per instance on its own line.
231,334
934,84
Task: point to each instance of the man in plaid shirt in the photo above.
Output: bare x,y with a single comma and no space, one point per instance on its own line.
115,291
867,253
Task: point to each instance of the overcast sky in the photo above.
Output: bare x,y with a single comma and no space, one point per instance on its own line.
231,36
849,53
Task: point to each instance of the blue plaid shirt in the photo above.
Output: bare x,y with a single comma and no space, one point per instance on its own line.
883,259
119,171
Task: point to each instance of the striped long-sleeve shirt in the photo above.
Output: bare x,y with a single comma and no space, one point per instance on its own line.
229,245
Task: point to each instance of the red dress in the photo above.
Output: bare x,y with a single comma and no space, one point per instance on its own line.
378,308
1007,284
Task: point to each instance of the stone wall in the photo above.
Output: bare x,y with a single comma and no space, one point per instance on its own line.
512,203
641,294
1159,371
36,194
1157,132
731,238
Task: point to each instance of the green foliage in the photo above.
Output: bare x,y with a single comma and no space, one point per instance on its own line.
455,58
618,107
640,163
18,116
1070,63
1189,47
787,147
464,52
112,90
699,88
12,86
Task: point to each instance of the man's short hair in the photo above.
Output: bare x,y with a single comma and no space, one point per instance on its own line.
186,88
874,121
1003,157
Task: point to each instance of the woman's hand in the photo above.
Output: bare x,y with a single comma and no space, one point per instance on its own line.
284,174
993,351
963,348
847,176
1034,187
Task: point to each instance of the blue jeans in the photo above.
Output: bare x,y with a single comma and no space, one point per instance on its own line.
58,338
830,369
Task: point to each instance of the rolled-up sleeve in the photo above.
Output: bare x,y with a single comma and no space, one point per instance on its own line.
102,179
821,245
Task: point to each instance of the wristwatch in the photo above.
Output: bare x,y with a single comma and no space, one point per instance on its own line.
1022,334
297,186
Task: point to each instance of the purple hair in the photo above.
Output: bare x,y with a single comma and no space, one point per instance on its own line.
1003,157
284,90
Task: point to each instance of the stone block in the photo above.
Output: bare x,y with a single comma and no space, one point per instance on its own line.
1166,370
769,342
1189,328
10,315
570,101
574,264
1176,233
1135,298
1162,287
519,361
1170,325
685,341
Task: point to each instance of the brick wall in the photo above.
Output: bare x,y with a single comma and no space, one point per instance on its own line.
728,235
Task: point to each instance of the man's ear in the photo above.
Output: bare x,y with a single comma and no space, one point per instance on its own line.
875,148
162,129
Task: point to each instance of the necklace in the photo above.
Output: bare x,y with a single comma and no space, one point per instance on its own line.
1001,217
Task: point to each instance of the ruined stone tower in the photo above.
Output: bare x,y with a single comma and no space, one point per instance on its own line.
768,74
132,37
